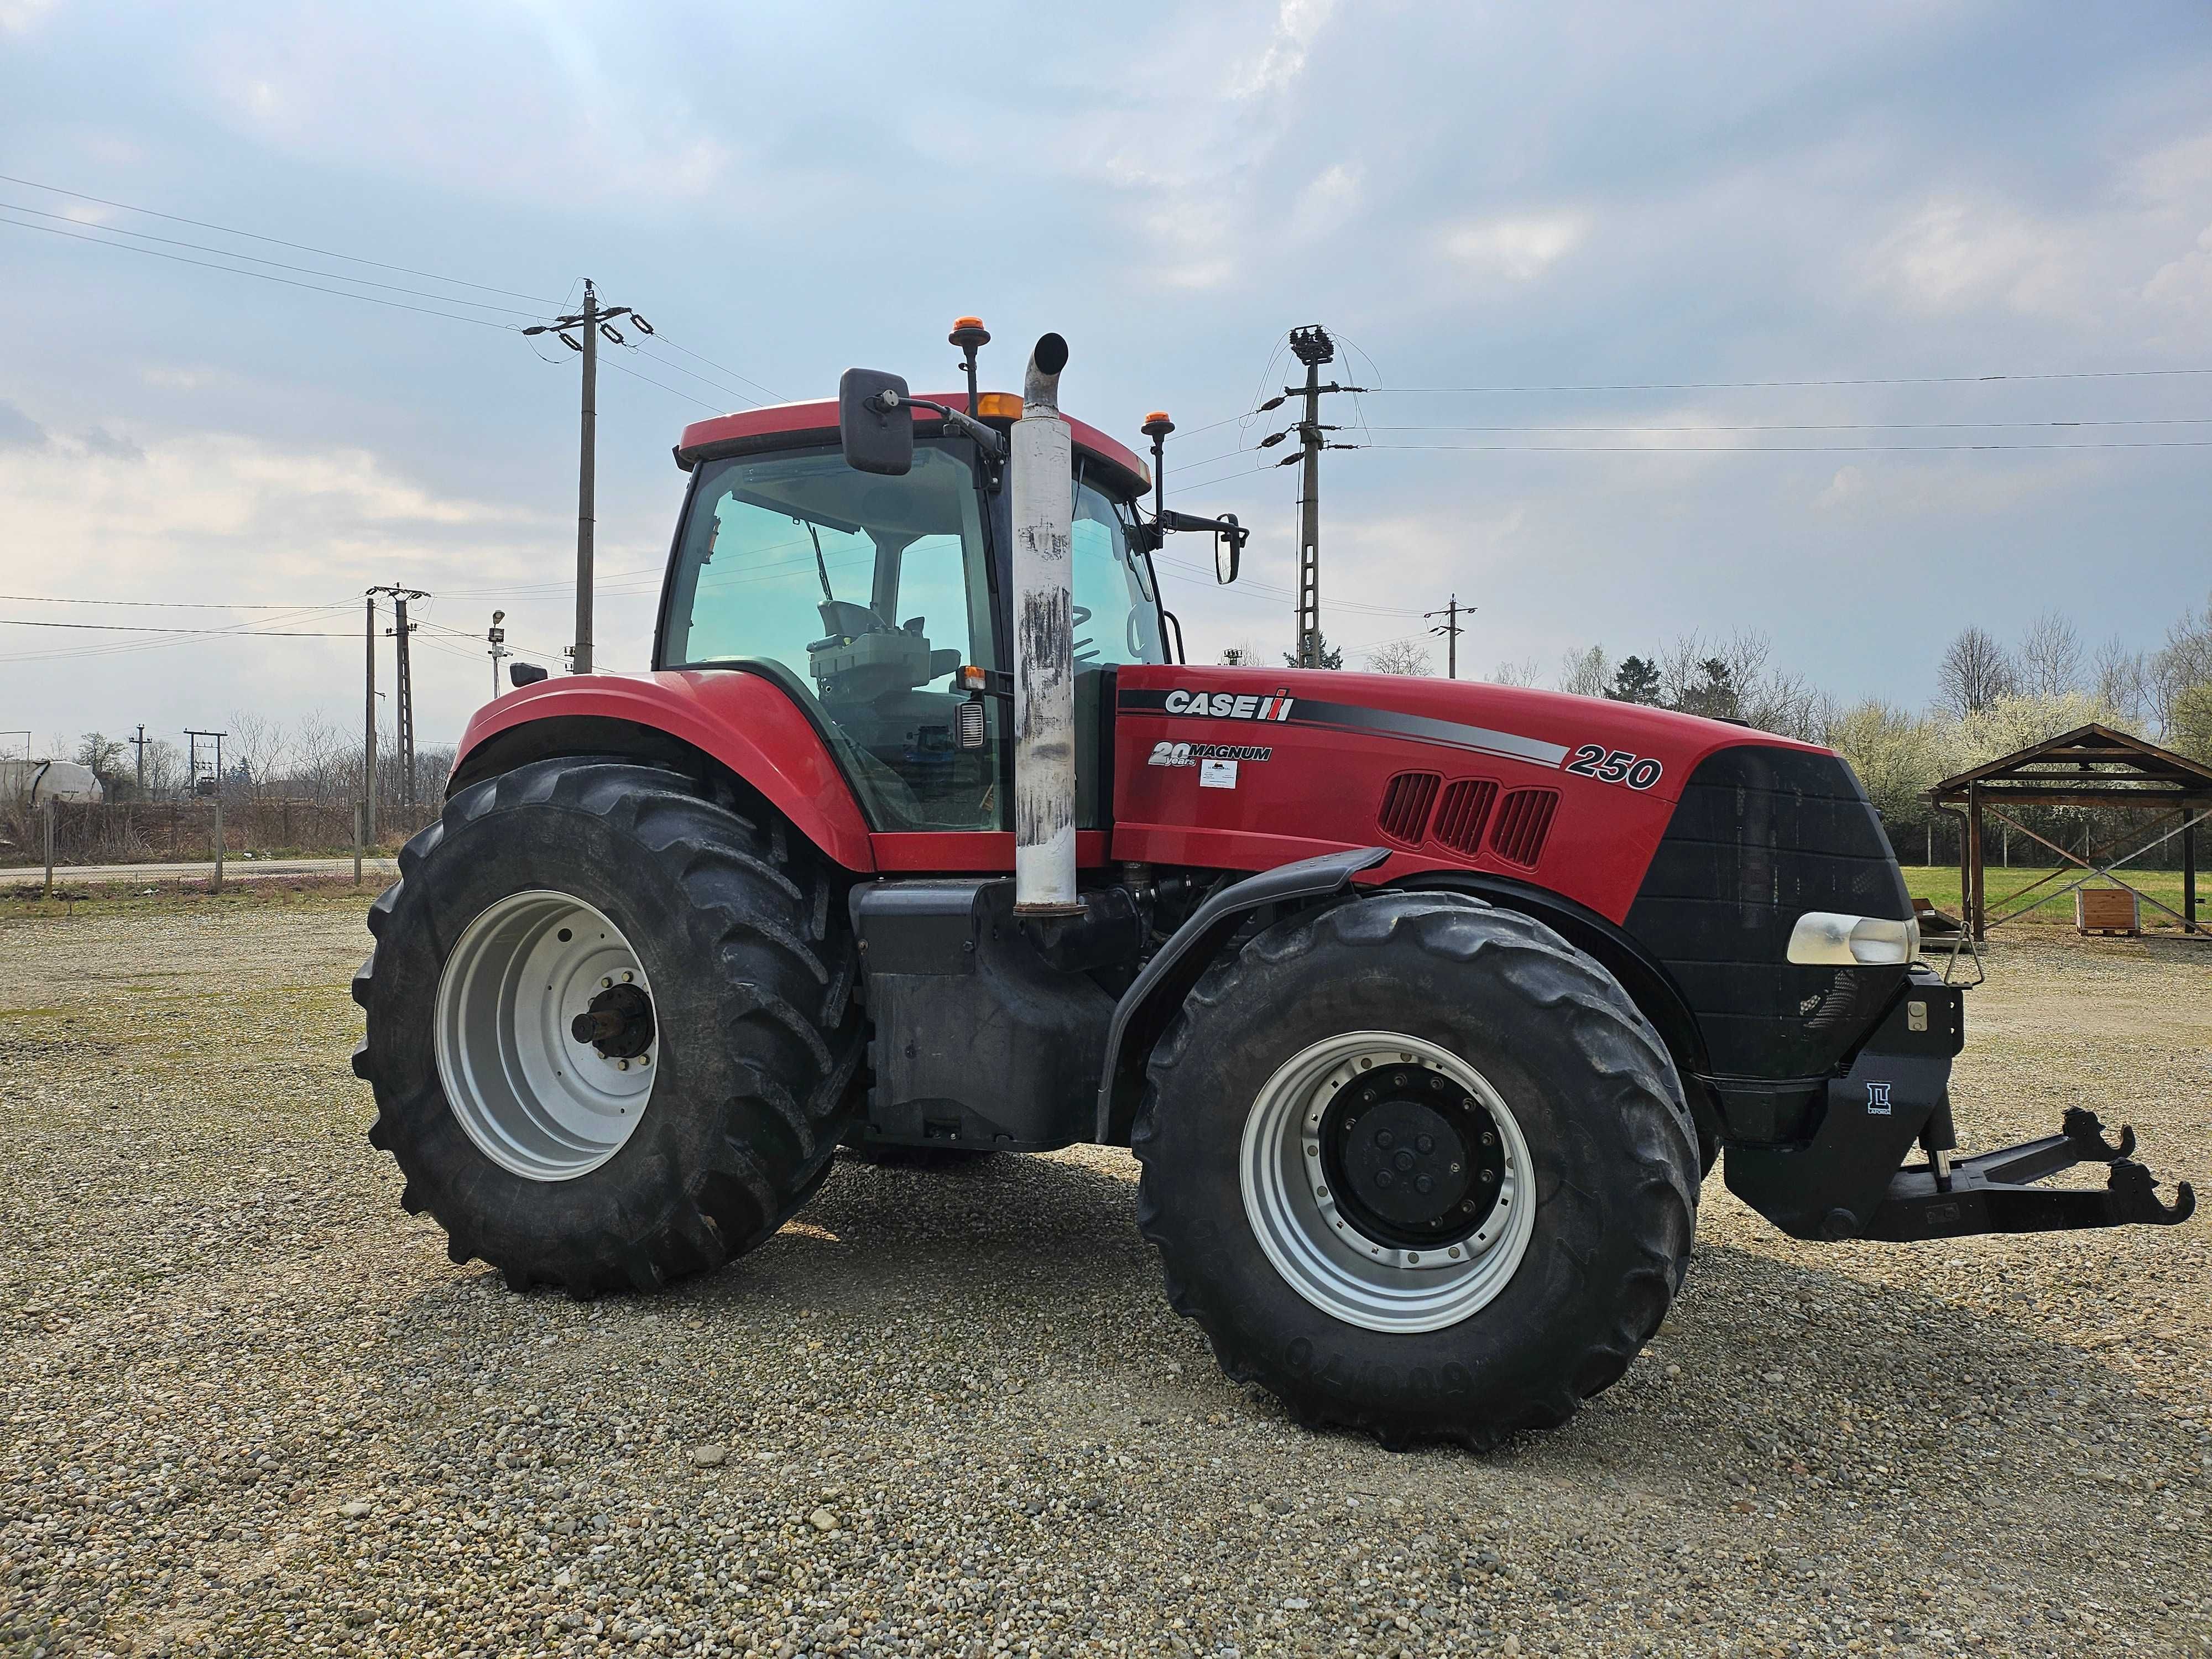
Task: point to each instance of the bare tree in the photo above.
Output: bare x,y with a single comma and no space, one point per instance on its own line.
2050,661
2183,664
323,761
255,747
165,770
1517,673
1409,657
2123,681
1586,674
1975,673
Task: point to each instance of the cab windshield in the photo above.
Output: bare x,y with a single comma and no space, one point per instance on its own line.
862,596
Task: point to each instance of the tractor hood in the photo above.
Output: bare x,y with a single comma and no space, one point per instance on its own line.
1245,769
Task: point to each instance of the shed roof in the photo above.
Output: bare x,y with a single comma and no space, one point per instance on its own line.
2091,765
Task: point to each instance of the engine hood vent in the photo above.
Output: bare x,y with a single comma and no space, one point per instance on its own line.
1524,820
1464,813
1405,803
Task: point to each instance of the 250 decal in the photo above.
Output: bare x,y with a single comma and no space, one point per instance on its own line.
1595,760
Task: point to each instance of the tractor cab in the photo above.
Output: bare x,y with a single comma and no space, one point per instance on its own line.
873,599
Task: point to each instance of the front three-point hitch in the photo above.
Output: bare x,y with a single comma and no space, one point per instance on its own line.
1995,1192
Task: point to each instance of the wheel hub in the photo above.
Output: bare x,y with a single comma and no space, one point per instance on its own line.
1388,1181
1414,1156
547,1045
618,1024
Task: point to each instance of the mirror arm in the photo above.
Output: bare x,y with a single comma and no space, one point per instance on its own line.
985,440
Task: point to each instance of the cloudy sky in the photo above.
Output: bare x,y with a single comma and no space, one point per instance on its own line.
1575,249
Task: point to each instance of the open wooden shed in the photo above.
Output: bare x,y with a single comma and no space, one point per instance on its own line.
2091,765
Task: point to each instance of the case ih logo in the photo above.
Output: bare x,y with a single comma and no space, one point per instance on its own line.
1225,706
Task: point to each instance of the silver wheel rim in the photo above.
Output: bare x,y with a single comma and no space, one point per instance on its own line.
1320,1251
536,1101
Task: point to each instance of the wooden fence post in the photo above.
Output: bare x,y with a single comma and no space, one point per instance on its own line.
216,886
49,807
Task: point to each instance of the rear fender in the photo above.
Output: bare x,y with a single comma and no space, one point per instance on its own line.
738,722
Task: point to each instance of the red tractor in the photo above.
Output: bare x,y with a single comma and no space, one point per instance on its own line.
1424,1006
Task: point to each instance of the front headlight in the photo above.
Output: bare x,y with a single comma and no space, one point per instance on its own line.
1828,938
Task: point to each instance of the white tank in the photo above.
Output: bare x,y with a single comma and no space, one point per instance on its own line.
38,781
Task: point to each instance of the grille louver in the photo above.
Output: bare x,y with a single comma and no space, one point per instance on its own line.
1405,815
1464,812
1524,819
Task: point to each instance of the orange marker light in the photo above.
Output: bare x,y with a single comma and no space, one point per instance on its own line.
973,678
998,405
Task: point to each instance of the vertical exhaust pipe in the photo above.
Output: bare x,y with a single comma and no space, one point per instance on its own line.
1042,490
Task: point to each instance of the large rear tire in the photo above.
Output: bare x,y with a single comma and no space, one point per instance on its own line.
611,1025
1342,1059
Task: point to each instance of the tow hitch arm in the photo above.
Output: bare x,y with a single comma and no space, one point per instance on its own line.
1994,1192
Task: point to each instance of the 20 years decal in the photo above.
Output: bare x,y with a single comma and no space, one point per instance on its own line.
1595,760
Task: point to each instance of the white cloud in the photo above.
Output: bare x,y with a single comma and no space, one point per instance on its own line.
20,16
1520,248
1284,58
1952,255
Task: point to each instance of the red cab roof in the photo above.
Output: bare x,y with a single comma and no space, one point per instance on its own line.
703,438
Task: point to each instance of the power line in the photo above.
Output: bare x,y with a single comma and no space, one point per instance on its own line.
277,241
778,395
1832,426
139,628
1777,385
163,605
664,386
254,258
703,379
260,276
1782,449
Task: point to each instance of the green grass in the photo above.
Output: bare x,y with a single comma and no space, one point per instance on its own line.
1939,883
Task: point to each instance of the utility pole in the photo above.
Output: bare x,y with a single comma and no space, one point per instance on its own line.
1450,629
1313,348
592,322
140,741
369,740
497,635
405,690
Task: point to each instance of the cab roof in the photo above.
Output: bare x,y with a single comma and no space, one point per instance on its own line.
778,423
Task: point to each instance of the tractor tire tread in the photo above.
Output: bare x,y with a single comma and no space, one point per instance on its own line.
790,1021
1621,1049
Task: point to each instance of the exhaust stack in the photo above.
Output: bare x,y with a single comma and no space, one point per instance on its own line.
1040,459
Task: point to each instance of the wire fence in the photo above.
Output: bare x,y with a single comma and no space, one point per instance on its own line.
174,832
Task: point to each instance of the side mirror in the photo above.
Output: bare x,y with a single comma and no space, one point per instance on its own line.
875,438
520,674
1228,550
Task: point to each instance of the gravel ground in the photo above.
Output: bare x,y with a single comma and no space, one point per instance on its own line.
249,1406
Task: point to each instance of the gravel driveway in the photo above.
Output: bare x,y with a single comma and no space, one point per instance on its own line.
250,1407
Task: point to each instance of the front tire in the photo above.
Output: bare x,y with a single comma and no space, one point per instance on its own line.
1339,1058
611,1026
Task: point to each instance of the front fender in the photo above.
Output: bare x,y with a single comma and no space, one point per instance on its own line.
1157,992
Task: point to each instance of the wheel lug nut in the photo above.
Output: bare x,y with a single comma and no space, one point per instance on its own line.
1489,1176
1489,1139
1384,1177
1425,1145
1385,1139
621,1066
1422,1184
606,984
